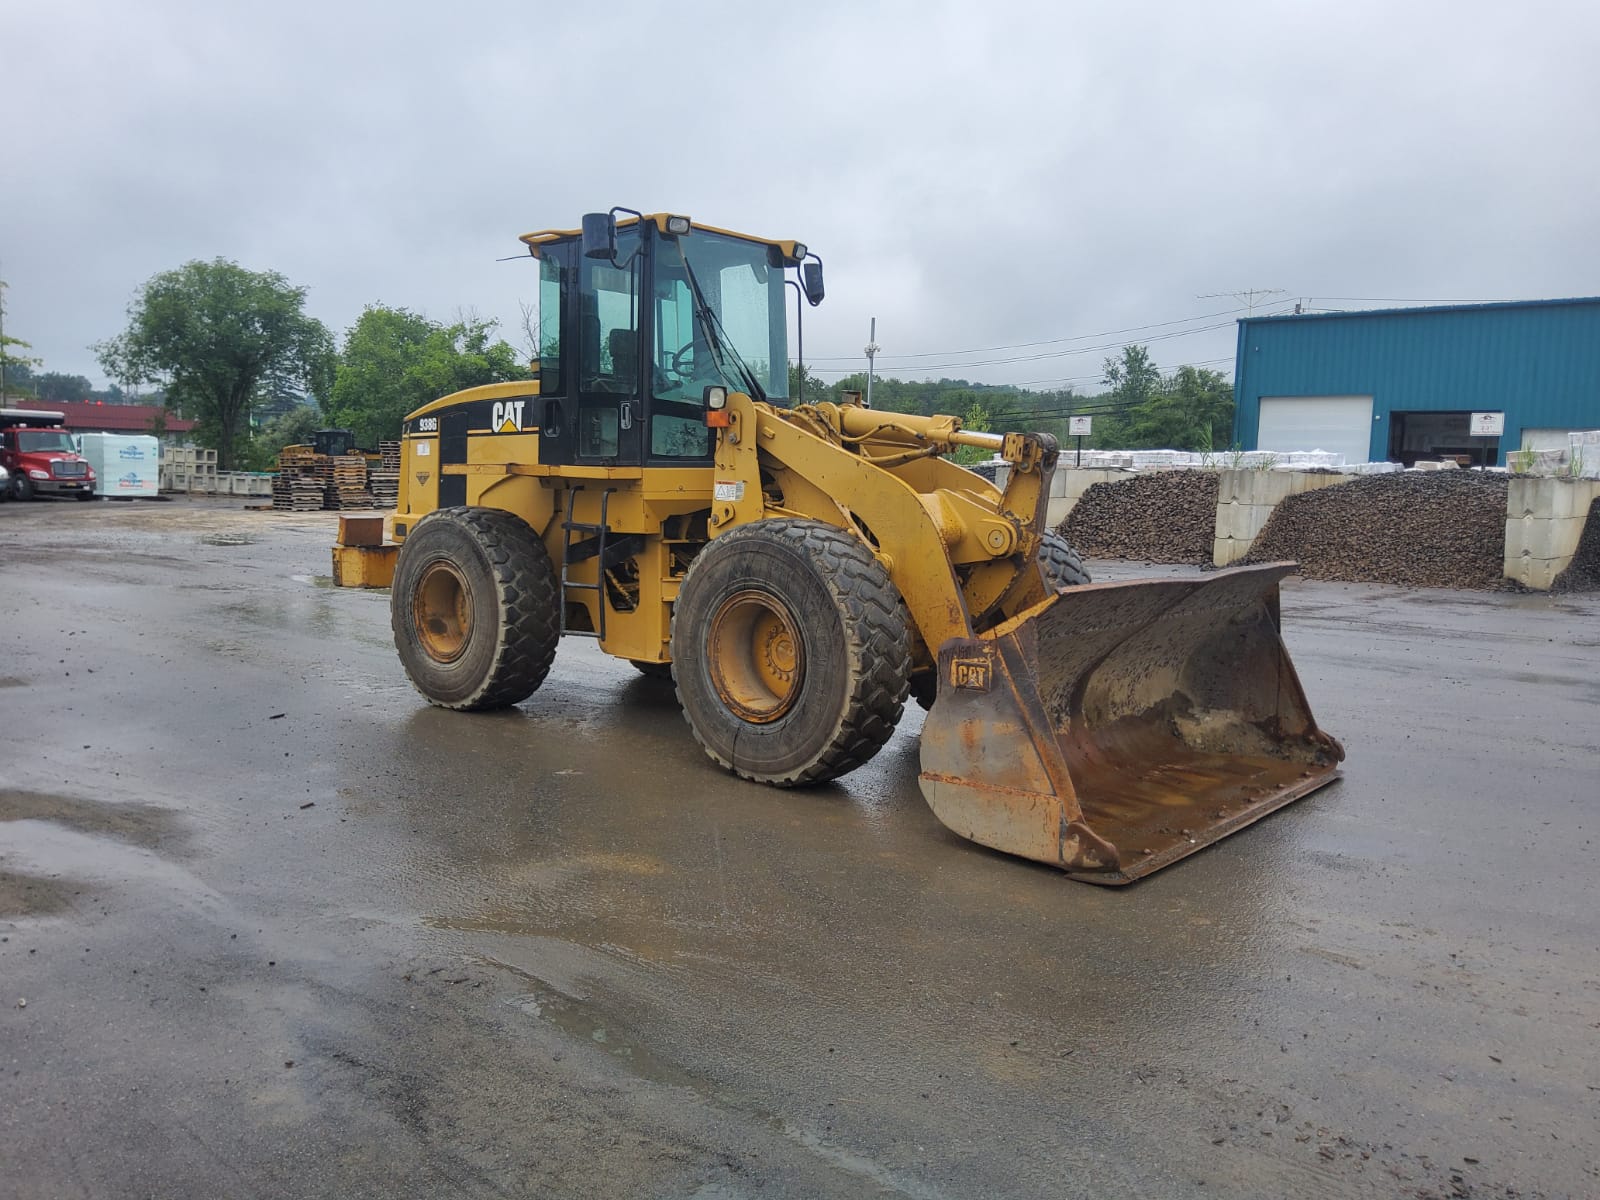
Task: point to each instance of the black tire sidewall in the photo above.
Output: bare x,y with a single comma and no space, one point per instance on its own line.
1059,564
739,562
442,540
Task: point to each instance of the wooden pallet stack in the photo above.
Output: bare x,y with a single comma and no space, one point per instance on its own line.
384,479
300,484
348,488
294,491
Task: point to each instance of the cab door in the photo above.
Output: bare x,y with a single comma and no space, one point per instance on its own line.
590,401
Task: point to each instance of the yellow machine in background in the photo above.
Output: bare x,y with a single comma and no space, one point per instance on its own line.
799,569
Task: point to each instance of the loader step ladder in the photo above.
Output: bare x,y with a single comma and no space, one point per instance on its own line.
594,546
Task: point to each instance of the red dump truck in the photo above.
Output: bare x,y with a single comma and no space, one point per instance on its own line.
38,452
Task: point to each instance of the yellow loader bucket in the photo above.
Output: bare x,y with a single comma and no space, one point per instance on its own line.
1115,727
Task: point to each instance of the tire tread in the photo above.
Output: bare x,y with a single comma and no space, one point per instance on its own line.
530,611
877,641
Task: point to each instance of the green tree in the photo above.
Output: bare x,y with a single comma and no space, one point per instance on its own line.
292,428
977,419
1193,410
216,334
395,361
54,386
815,391
1133,379
11,358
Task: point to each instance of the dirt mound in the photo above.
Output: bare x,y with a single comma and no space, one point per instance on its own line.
1162,516
1414,528
1583,575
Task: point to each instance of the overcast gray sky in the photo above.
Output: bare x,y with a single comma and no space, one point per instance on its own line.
974,174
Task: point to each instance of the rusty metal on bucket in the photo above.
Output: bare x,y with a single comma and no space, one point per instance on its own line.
1115,728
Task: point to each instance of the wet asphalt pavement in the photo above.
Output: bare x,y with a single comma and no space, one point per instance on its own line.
283,930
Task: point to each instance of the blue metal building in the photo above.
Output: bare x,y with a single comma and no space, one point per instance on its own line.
1408,383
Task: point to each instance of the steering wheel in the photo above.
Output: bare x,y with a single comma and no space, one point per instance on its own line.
679,365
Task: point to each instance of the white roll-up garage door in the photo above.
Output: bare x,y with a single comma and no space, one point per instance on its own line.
1342,424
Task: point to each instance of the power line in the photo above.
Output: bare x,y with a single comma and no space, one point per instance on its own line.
991,362
1088,378
1082,337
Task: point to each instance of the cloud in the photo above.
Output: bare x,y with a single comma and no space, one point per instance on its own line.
974,175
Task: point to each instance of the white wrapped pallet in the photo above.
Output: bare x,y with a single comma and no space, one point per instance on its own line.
123,466
1584,455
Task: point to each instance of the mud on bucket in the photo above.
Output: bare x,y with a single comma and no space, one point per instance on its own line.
1117,727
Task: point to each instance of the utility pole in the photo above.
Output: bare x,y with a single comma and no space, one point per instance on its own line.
871,352
1249,297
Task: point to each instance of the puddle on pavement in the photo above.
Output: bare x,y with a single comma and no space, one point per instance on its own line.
33,895
11,681
141,824
575,1019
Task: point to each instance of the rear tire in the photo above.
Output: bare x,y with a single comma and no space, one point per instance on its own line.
474,608
791,650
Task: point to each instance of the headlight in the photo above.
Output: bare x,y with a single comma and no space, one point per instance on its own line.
35,473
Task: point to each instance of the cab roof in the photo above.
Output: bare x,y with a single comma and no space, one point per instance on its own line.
542,237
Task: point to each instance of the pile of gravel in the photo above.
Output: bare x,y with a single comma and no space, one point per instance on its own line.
1583,575
1414,528
1161,516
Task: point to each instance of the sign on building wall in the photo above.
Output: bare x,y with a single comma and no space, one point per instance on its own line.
1488,424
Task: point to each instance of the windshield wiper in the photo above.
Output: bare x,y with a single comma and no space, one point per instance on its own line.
717,337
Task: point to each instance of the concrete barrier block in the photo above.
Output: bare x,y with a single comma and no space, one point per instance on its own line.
1237,521
1544,538
1572,497
1536,573
1227,551
1233,487
1529,496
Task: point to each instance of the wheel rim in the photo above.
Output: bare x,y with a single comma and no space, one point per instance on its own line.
756,656
442,606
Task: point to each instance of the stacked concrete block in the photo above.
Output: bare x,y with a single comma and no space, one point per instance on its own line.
1245,499
188,469
1544,522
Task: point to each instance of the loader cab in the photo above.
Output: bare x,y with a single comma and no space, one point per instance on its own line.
636,321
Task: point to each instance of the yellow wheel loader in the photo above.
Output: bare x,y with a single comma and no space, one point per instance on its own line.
799,569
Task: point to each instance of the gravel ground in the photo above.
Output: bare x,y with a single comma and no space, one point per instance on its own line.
1163,516
1584,573
1414,529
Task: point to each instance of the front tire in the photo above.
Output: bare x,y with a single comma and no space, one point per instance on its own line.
474,608
790,652
1059,564
22,488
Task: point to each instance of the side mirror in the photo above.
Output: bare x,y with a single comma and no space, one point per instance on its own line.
599,236
811,280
